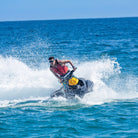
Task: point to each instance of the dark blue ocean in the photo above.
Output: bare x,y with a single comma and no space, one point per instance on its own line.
104,51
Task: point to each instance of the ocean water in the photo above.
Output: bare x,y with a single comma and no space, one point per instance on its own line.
104,51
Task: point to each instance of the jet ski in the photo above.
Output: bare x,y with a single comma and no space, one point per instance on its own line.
73,86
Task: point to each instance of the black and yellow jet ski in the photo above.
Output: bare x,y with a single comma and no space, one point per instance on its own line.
73,86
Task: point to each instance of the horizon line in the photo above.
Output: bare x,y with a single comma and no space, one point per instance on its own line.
68,19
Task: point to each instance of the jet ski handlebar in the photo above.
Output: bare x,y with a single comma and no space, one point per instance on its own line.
68,75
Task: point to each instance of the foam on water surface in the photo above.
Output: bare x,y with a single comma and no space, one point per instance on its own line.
19,82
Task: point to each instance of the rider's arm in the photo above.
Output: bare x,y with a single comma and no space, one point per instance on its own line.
66,61
55,74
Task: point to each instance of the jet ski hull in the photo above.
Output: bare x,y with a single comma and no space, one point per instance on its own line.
83,87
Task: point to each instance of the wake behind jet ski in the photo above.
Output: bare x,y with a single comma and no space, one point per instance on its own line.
73,86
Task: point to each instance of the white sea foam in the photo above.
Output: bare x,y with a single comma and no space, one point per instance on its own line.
18,82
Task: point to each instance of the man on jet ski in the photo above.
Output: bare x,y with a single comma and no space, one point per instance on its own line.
72,85
58,67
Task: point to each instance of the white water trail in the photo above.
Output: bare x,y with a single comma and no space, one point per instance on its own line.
20,82
17,80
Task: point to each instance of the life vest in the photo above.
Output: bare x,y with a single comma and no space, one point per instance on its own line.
60,70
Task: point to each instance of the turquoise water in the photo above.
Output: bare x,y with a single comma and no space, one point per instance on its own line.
103,50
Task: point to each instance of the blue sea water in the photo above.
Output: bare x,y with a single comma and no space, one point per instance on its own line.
104,51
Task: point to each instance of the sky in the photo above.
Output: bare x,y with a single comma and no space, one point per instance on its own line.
16,10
